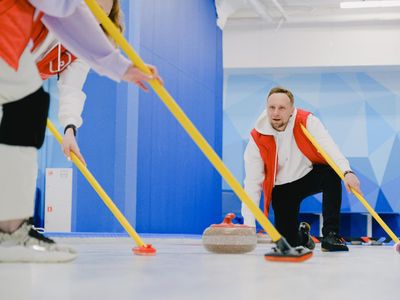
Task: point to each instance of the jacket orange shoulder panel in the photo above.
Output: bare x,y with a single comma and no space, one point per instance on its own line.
13,37
304,144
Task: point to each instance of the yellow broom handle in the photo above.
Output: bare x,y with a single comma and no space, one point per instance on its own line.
184,120
358,195
97,187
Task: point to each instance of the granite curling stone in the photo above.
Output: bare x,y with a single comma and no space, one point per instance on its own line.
229,238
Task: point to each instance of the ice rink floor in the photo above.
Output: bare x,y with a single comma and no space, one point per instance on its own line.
182,269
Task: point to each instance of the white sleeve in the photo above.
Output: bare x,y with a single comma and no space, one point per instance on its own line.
59,8
321,135
81,34
253,182
71,96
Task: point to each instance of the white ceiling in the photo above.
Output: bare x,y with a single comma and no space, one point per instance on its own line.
279,12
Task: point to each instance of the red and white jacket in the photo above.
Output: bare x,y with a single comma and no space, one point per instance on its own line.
19,74
21,45
273,158
53,59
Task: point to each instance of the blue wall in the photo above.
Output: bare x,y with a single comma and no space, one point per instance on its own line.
134,147
109,141
178,189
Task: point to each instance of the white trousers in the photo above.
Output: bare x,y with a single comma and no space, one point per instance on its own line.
18,172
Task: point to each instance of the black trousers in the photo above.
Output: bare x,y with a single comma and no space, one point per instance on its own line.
24,121
286,200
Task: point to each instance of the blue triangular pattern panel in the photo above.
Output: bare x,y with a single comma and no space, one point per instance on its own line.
395,203
389,81
382,203
355,143
244,114
369,86
312,204
231,135
338,124
387,111
340,127
233,158
305,105
363,167
303,86
352,81
250,105
335,91
380,157
378,129
393,165
391,190
241,87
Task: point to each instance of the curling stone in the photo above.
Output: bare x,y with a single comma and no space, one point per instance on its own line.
263,238
229,238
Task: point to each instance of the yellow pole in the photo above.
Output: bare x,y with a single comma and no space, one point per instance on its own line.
358,195
184,121
97,187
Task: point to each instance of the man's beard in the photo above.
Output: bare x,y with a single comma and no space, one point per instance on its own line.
279,126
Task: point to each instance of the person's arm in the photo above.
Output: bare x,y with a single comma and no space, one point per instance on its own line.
80,33
321,135
59,8
254,178
71,97
71,103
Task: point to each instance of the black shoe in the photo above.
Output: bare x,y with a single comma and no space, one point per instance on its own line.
305,238
332,242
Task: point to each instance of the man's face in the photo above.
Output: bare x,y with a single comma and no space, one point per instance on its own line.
279,110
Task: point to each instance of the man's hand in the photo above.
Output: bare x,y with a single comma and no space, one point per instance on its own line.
351,181
139,78
69,144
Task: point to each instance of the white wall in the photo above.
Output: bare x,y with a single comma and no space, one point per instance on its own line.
306,45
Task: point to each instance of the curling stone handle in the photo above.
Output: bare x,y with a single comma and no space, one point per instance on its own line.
228,218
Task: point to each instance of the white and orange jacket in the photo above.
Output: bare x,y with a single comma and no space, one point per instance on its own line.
290,162
54,60
19,75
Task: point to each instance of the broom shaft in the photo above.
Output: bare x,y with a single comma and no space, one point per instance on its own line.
184,121
99,190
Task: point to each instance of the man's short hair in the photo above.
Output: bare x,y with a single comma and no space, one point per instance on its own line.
281,90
